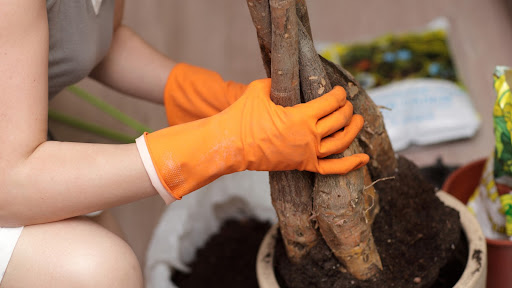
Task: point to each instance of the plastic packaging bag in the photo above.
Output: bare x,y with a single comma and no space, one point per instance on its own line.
425,111
492,199
413,75
187,224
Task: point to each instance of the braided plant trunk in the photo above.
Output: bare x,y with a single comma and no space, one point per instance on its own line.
339,209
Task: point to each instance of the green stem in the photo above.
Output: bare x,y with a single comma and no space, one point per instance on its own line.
110,110
74,122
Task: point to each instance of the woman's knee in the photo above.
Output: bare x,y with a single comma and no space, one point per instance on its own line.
72,253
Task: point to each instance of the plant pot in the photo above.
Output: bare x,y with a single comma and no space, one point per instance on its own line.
474,275
461,184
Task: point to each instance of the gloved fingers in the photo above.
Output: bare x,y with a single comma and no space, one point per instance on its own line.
339,141
326,104
342,165
335,121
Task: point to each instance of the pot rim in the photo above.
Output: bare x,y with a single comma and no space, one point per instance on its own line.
474,275
476,241
449,182
454,175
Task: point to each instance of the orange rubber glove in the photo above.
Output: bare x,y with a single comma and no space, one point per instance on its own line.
254,134
193,93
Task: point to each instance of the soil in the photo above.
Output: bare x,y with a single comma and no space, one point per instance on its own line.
415,233
427,250
228,259
437,173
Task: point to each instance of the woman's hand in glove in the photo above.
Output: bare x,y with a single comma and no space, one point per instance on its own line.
255,134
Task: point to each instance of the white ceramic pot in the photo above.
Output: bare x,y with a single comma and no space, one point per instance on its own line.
474,276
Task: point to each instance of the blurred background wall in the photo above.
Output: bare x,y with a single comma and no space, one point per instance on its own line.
219,35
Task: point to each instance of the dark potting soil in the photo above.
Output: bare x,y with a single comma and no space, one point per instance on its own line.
415,233
228,258
437,173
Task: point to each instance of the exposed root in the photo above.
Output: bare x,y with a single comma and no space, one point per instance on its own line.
384,107
378,180
371,206
353,202
313,216
368,129
341,222
366,141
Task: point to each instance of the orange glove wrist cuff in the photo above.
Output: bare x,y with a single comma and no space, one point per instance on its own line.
153,174
189,156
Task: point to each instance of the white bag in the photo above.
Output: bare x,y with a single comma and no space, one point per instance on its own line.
425,111
187,224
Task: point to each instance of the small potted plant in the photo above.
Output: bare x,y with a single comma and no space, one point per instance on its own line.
340,213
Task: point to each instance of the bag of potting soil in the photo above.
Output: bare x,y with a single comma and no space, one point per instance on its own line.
492,199
413,74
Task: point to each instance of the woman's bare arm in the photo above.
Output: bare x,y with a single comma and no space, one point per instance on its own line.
43,181
134,67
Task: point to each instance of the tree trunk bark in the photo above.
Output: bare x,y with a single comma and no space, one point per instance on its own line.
290,190
260,14
339,202
373,138
343,206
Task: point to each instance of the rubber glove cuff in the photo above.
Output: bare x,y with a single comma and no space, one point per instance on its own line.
150,169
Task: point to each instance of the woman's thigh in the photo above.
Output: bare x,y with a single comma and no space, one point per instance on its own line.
71,253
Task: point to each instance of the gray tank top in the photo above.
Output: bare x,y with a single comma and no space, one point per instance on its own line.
80,36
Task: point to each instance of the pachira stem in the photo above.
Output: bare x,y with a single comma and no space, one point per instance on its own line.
373,138
342,207
338,201
285,50
291,191
260,14
303,15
